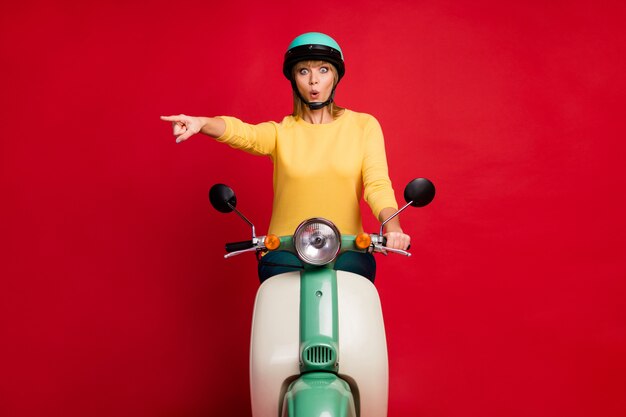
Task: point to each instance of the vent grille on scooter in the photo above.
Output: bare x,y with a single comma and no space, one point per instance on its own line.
319,355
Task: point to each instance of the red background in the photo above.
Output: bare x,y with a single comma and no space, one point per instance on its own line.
115,299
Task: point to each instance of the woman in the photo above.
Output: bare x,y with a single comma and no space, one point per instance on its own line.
325,157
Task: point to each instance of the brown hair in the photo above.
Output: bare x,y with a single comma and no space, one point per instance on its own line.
299,105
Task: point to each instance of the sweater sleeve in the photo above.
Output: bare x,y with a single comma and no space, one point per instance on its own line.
257,139
378,191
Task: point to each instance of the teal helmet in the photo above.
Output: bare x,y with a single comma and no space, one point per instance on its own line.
313,46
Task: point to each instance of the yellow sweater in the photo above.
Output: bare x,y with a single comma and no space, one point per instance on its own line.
320,170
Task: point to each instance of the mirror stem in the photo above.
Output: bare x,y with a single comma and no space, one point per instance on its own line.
244,218
392,216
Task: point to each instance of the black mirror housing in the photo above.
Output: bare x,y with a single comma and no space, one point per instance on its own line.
419,192
222,198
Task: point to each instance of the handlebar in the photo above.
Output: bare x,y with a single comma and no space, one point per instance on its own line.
378,245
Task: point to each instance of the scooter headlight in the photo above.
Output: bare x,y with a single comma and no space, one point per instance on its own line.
317,241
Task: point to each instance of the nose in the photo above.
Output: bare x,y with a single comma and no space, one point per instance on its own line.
313,79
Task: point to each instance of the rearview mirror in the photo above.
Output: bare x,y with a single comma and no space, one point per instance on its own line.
419,192
222,198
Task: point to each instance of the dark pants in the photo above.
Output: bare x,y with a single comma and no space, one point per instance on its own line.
278,262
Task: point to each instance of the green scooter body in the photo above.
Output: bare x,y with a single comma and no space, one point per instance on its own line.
303,322
319,391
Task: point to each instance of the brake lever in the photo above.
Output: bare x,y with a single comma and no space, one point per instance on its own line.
239,252
385,249
398,251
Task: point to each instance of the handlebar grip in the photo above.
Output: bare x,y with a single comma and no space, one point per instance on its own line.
235,246
385,243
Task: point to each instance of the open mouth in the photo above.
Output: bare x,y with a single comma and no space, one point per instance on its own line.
314,94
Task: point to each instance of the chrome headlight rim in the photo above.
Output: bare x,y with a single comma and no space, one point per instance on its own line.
300,250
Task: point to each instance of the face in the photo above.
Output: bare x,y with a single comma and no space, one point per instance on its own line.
314,79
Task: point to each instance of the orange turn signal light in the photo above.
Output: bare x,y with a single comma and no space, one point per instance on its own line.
362,241
272,242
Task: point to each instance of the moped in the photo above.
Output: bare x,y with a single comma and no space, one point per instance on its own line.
318,346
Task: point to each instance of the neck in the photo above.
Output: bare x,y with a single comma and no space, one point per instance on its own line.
315,117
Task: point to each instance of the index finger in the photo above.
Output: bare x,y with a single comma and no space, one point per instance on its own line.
171,118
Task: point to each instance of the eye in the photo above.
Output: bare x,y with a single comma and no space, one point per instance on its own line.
324,70
303,71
